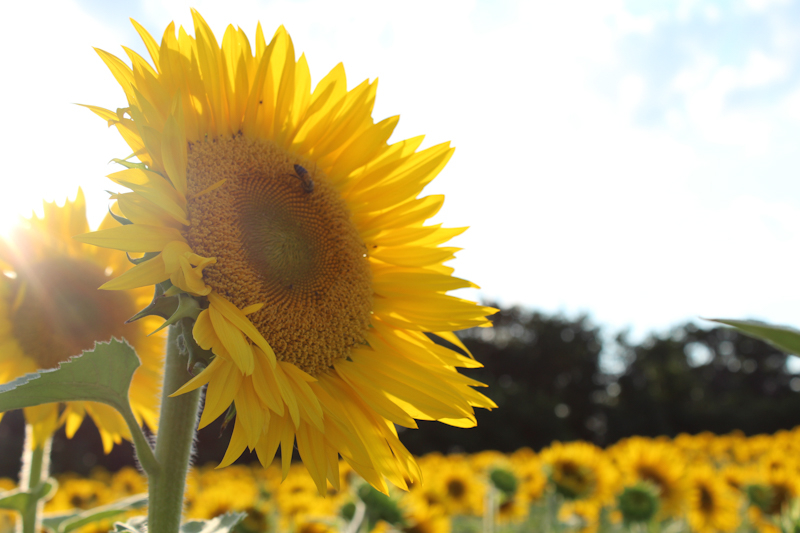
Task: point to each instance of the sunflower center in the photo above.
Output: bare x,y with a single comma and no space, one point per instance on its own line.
61,312
456,488
706,500
282,236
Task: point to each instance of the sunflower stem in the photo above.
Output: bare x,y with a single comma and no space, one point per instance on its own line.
144,452
35,469
177,425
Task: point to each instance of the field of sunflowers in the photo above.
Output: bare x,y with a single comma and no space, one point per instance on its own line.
693,483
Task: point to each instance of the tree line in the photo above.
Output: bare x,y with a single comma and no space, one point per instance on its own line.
554,378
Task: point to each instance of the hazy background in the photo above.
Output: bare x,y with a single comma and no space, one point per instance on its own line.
633,160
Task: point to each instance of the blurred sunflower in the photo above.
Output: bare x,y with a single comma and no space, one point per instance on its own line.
769,499
78,493
713,504
461,489
228,497
513,510
289,212
580,516
656,462
528,468
579,471
420,517
128,481
50,310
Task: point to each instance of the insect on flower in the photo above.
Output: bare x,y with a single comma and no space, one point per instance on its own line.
305,178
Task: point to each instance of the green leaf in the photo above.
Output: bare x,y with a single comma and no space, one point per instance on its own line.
53,521
63,522
221,524
783,338
137,524
100,375
14,500
17,499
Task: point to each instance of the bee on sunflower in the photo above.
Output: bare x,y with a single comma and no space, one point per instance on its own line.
51,310
299,231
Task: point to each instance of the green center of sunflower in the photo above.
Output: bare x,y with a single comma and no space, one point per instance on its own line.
60,312
281,242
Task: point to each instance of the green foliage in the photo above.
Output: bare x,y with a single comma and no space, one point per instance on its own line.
348,511
221,524
101,375
64,523
505,481
783,338
638,503
137,524
379,506
18,499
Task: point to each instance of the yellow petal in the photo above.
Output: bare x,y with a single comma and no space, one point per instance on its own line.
132,238
151,272
233,340
238,319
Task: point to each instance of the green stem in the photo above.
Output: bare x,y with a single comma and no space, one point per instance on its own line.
35,469
144,452
176,429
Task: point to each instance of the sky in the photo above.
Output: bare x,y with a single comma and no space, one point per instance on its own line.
633,161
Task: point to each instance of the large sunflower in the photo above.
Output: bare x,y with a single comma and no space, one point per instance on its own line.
50,310
286,210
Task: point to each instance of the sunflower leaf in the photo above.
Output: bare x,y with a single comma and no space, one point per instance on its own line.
100,375
14,500
103,512
221,524
18,499
137,524
783,338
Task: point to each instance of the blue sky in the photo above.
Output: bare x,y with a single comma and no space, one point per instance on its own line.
633,160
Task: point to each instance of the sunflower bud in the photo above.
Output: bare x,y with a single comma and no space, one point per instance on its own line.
505,481
379,506
638,503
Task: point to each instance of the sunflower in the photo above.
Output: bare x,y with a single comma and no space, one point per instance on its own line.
127,481
581,516
770,498
657,462
79,493
462,490
421,517
528,468
231,496
50,310
713,504
298,228
579,471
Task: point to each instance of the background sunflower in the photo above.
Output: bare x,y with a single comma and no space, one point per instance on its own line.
50,310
